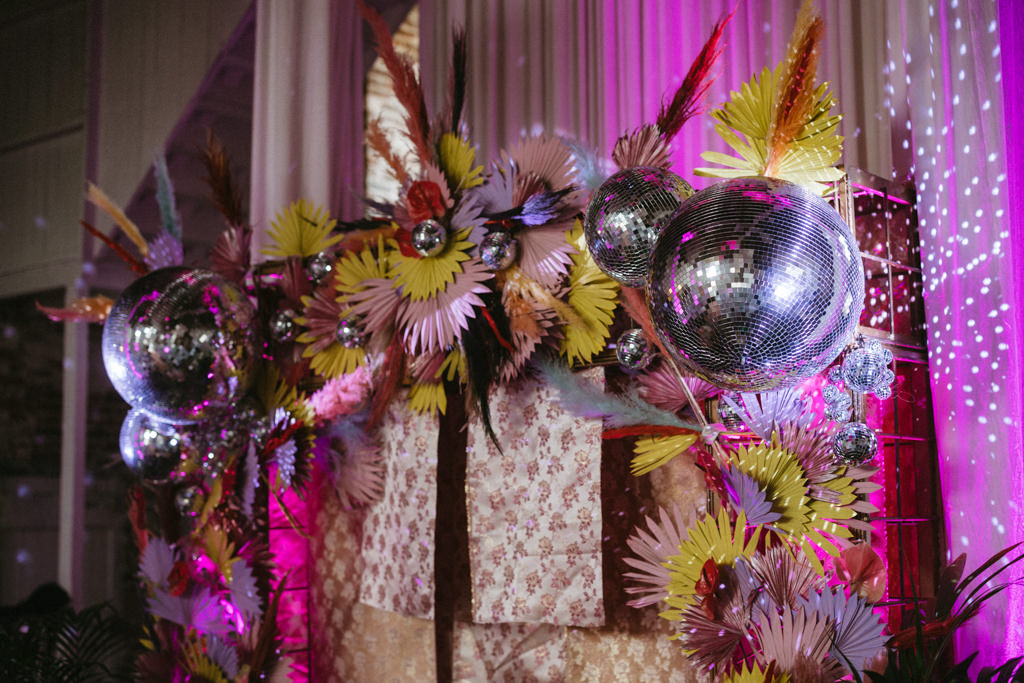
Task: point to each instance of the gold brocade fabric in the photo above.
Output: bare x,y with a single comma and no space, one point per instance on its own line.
355,643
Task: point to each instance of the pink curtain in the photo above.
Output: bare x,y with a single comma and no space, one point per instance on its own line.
961,160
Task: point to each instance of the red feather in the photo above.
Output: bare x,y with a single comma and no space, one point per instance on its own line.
494,328
136,265
644,430
689,98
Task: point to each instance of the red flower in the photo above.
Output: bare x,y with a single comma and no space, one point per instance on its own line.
424,200
178,578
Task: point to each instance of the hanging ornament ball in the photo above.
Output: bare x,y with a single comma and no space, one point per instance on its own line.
498,250
633,350
319,266
185,500
755,284
180,344
626,215
348,334
866,368
150,448
429,238
728,415
213,443
855,443
282,326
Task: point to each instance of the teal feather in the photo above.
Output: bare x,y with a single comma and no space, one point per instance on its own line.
169,217
617,411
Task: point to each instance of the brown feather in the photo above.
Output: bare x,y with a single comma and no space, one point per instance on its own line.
457,79
227,196
406,83
378,141
794,95
392,372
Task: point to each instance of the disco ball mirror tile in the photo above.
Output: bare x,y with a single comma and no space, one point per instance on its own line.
755,284
625,216
180,344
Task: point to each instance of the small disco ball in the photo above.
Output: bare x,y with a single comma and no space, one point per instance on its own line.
626,215
185,500
429,238
180,344
866,369
348,334
150,448
755,284
855,443
498,250
212,444
282,325
728,416
633,350
319,266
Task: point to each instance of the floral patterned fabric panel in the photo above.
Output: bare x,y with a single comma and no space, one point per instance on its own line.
508,652
346,638
535,510
601,656
398,537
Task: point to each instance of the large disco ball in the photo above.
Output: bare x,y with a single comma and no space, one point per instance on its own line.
756,284
625,216
179,343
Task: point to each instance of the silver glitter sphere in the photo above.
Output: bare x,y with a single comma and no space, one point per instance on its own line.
633,350
185,500
150,448
855,443
211,444
626,215
429,238
498,250
348,334
728,416
866,368
319,266
180,344
282,325
755,284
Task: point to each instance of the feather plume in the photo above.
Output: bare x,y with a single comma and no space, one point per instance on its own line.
689,98
795,94
378,141
590,169
227,196
102,201
634,304
457,82
485,358
169,216
618,411
406,83
135,264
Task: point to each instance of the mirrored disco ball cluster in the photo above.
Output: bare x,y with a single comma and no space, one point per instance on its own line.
755,284
179,344
626,215
866,369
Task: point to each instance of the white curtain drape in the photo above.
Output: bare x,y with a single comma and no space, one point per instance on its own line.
947,72
307,129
